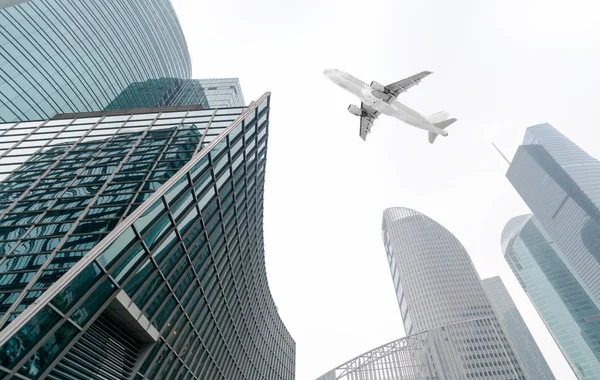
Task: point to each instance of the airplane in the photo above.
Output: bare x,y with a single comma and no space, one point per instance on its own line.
378,99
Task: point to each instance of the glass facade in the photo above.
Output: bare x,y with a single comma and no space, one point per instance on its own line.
437,285
62,56
569,313
561,185
139,237
163,92
168,92
532,361
223,92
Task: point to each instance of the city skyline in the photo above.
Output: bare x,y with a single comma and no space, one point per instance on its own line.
497,81
502,68
437,285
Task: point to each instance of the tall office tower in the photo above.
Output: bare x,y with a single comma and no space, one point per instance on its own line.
131,246
437,285
62,56
569,312
561,185
532,361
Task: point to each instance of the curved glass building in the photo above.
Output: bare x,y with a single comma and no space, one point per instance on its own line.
437,285
61,56
131,247
569,312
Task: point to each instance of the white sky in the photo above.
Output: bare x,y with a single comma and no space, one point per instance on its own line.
499,66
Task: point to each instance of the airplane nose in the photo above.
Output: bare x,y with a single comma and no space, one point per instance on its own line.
328,72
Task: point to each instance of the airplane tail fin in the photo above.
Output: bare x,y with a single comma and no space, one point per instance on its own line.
439,120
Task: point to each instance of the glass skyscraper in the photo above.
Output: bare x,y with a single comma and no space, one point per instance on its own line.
561,185
62,56
438,286
131,246
569,312
532,361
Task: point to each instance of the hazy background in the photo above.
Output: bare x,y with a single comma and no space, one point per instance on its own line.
499,66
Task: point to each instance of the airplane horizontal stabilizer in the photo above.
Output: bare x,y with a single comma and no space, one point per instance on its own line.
444,124
440,125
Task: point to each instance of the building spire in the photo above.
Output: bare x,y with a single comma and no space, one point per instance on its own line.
503,156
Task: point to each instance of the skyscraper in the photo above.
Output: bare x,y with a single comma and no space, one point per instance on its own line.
131,247
61,56
561,185
437,285
532,361
568,311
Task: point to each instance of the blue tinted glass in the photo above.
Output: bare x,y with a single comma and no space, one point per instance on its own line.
93,303
73,292
111,253
23,341
51,348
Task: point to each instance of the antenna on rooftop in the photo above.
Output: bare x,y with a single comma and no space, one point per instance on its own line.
503,156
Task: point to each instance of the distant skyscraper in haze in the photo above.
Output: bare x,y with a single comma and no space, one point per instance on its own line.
437,285
561,185
569,312
532,361
61,56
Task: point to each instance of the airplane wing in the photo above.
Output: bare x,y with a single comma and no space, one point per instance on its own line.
403,85
367,120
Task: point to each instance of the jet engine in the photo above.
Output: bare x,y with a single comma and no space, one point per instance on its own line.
379,87
354,110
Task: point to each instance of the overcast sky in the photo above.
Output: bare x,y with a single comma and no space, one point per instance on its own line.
499,66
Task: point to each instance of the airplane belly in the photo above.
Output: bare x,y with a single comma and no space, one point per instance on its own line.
407,115
373,102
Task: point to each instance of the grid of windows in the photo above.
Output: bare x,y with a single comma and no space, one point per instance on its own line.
436,282
532,361
59,56
190,257
570,314
561,185
223,92
163,92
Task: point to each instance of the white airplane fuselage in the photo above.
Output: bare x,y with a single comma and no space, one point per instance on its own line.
394,108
